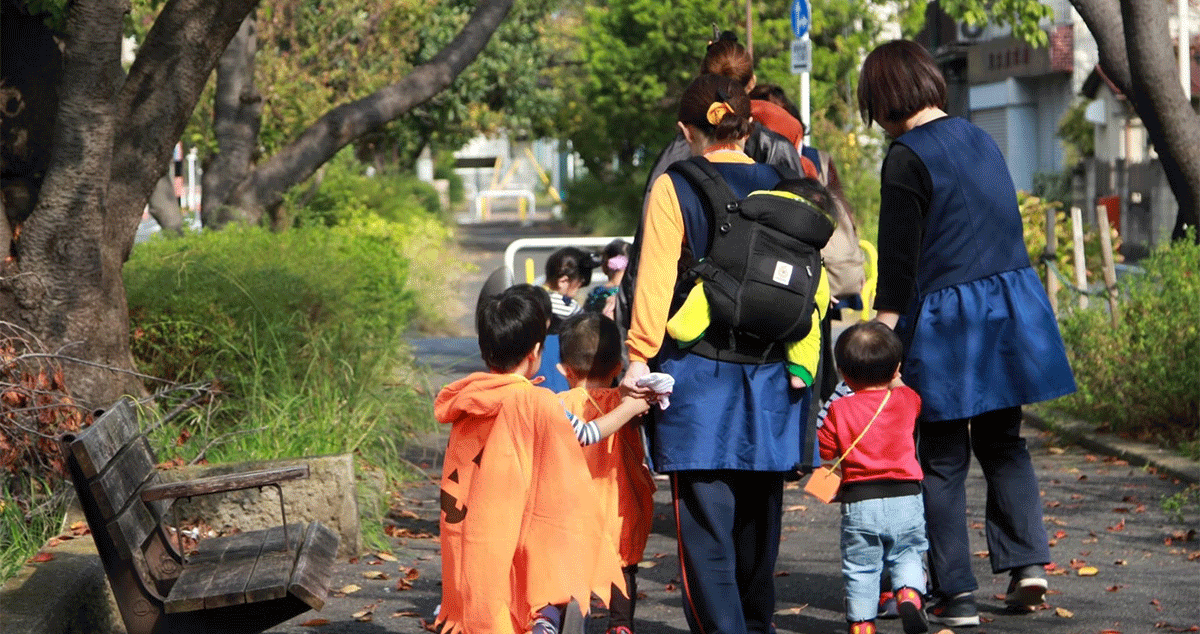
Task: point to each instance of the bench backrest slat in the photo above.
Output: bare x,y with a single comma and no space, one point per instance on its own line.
95,446
131,529
120,480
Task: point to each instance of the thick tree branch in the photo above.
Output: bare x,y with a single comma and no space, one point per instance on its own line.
1103,19
158,97
1158,97
264,188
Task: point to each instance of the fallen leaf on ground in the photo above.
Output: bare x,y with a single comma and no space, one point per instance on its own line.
412,574
406,613
315,623
1110,631
670,587
980,553
403,584
646,564
41,557
1088,571
349,589
363,616
1056,451
386,556
795,507
376,574
1114,588
1064,613
1120,562
54,541
792,610
782,573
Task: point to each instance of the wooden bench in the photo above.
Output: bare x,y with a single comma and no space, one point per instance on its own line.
246,582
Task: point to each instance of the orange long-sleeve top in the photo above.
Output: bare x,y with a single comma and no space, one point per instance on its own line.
662,243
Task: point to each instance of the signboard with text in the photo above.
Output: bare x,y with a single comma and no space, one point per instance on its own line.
801,56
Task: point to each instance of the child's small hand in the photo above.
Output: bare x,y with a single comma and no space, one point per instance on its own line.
797,382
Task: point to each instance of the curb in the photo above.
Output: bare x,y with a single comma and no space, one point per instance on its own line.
1136,453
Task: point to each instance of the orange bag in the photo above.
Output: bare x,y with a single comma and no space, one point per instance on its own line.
825,482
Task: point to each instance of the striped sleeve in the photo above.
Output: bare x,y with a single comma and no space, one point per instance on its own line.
838,392
588,433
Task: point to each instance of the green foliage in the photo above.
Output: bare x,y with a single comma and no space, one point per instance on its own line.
1187,501
197,304
346,193
1033,217
444,169
606,208
1142,378
24,531
1024,16
1078,134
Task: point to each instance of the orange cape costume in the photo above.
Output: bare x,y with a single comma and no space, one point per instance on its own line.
520,524
623,482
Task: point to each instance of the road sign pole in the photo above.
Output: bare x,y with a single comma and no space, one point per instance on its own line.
806,102
801,20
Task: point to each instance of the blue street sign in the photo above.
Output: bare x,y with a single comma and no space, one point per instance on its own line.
800,18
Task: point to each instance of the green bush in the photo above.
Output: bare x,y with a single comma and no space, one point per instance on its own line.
1142,378
1033,217
346,193
444,168
603,207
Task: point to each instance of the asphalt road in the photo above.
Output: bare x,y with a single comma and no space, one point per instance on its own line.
1101,513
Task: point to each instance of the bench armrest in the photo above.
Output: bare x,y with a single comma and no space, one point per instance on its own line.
222,483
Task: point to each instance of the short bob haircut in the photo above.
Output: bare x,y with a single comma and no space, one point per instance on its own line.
899,79
509,325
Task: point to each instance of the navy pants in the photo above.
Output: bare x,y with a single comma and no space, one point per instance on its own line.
1015,533
728,525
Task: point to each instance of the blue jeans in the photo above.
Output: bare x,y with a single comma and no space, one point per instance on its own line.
877,533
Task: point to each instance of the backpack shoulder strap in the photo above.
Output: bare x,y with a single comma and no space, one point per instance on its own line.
710,187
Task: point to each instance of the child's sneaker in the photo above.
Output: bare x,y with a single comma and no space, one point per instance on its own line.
1027,589
862,627
912,614
887,605
956,611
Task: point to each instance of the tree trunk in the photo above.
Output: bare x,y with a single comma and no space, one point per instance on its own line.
1135,52
110,143
262,189
237,117
1158,97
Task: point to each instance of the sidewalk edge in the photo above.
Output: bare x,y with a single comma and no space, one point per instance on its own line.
1136,453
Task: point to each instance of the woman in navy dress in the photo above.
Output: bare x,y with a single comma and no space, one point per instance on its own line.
956,283
733,429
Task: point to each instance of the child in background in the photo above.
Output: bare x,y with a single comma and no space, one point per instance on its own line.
567,270
591,361
688,324
516,493
870,434
603,298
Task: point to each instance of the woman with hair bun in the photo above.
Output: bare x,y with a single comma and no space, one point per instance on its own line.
732,430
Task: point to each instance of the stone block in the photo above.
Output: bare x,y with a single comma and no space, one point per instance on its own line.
327,496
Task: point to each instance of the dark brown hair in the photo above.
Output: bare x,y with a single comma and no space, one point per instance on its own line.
727,58
897,80
509,325
590,345
868,354
706,90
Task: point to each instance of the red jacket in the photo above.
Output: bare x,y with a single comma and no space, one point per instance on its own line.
887,451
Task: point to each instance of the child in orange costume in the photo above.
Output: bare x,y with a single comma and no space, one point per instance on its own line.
516,490
591,361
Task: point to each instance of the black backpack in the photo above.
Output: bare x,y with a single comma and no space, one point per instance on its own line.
764,257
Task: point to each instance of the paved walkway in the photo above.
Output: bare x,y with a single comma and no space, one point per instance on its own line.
1101,512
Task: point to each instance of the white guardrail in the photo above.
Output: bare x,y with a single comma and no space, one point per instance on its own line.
546,244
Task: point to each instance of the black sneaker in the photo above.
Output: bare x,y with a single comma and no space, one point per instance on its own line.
1027,589
956,611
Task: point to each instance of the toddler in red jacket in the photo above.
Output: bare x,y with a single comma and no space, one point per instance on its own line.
870,434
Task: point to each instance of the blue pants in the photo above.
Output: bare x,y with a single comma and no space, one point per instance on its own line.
729,525
879,534
1015,533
